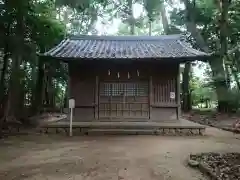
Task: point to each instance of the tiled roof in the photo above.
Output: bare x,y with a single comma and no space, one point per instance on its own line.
124,47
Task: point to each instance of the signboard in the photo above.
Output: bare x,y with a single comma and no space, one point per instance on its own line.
71,103
172,95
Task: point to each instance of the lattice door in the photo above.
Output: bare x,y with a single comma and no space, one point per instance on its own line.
123,100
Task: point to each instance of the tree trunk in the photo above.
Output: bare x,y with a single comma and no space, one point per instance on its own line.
5,64
187,105
235,69
150,28
192,27
65,99
228,75
131,17
33,84
224,82
235,75
21,100
223,26
13,95
164,19
49,89
219,80
206,103
3,76
12,112
216,64
3,88
38,94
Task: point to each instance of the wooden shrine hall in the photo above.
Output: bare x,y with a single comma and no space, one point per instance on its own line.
125,78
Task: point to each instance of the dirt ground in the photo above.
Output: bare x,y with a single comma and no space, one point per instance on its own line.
212,118
41,157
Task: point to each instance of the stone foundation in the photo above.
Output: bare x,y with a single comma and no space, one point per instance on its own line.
153,131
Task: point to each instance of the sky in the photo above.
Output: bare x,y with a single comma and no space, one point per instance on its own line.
138,9
113,27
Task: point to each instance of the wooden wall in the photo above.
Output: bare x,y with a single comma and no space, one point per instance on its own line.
164,83
161,77
82,89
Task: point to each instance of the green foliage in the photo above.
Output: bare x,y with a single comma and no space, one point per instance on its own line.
153,8
201,91
80,5
39,31
45,29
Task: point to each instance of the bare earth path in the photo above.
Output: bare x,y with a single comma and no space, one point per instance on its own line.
42,157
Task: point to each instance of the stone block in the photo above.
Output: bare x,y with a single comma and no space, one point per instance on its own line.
195,132
178,131
159,131
193,163
202,131
60,131
166,131
190,132
172,132
185,132
76,131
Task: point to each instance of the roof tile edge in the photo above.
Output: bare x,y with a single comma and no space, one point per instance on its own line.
126,38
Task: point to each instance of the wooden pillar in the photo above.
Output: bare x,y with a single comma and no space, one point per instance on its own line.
96,104
178,93
69,89
110,108
150,96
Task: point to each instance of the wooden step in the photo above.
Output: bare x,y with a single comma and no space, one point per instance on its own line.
120,132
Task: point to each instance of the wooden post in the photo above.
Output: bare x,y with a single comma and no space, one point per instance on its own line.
71,120
124,102
110,108
96,104
150,96
178,94
69,92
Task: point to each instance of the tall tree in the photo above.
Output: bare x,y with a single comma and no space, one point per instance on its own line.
28,27
216,63
13,95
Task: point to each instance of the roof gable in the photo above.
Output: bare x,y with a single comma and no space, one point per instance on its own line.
124,47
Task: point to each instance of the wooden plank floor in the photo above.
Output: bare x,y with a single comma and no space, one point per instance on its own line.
113,124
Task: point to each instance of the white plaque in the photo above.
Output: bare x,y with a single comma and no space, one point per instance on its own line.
172,95
71,103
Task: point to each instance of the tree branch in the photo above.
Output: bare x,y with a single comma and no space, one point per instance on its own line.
233,50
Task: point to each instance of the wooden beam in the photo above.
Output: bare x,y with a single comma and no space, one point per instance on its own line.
165,105
85,106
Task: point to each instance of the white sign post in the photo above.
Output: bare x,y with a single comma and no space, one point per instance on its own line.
71,105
